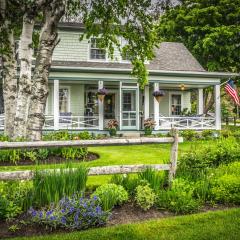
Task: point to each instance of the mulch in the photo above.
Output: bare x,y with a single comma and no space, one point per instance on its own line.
128,213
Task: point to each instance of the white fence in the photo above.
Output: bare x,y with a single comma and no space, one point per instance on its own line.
185,122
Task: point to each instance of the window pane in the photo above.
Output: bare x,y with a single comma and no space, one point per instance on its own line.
63,100
96,52
176,105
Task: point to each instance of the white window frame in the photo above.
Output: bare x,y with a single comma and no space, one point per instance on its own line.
170,102
68,99
89,52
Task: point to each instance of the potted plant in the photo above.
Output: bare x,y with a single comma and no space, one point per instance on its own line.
112,126
149,124
101,93
158,94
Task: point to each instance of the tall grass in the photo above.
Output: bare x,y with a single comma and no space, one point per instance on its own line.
51,186
156,179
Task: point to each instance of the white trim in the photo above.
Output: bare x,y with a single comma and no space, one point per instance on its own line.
170,101
217,107
56,104
101,108
156,107
200,101
146,102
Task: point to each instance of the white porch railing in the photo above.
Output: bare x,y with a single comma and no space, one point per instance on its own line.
186,122
73,122
66,122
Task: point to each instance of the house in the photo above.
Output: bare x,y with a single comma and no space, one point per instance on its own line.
79,69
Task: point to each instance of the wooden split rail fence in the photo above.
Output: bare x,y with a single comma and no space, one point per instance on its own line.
104,170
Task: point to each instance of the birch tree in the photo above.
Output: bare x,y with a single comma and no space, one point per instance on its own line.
47,42
113,19
9,65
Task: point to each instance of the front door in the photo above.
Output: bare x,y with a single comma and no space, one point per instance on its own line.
129,109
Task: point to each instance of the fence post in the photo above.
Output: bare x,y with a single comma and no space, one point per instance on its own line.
173,157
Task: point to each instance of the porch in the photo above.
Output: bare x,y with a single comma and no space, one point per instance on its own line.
73,105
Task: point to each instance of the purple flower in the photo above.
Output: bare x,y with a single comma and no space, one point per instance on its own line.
63,220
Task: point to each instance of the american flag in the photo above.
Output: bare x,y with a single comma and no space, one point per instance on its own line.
230,89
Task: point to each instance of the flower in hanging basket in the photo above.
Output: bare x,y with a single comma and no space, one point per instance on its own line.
158,94
101,93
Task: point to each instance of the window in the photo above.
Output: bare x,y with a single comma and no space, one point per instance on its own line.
176,104
63,100
95,51
125,55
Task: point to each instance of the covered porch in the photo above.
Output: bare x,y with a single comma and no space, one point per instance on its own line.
74,106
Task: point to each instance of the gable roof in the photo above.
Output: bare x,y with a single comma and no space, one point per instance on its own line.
170,56
174,56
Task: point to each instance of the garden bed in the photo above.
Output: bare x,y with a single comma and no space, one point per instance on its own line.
125,214
51,160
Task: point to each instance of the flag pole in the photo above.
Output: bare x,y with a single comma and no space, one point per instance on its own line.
224,82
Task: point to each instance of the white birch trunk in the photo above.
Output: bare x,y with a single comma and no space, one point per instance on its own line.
24,85
48,41
9,86
9,72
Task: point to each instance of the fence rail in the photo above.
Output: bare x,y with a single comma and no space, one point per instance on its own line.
104,170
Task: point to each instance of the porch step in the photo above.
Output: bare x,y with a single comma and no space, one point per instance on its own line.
131,135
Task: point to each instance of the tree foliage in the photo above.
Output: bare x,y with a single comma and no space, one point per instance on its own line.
209,28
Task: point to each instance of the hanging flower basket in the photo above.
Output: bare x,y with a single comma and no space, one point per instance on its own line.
158,95
101,93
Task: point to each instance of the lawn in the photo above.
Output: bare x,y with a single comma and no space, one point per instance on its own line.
119,155
218,225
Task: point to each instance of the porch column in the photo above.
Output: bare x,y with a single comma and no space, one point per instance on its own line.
146,102
156,107
200,101
100,107
217,107
56,103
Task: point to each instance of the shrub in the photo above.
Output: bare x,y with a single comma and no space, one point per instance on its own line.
156,179
72,213
129,183
194,162
13,195
208,134
189,135
225,183
74,153
50,186
145,197
178,199
110,195
226,189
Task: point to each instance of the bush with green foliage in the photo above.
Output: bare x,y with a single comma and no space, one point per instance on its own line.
73,212
128,182
189,135
110,195
223,151
208,134
145,197
179,198
225,183
13,195
51,185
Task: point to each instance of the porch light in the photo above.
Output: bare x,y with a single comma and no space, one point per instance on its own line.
182,87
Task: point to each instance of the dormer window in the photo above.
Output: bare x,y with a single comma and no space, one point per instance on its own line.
95,51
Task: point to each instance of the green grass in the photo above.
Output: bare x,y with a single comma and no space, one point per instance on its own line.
219,225
119,155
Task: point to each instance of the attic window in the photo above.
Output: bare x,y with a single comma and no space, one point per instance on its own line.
95,51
